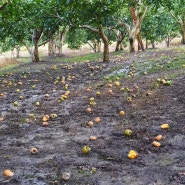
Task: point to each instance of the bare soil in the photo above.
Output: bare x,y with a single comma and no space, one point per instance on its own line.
60,143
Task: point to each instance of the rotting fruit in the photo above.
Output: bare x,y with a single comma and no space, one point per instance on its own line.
86,149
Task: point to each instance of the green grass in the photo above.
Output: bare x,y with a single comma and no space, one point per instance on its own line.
164,63
171,65
8,69
81,58
116,76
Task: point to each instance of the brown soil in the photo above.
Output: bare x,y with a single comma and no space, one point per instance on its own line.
60,143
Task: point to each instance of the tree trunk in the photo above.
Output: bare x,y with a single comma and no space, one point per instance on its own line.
96,46
106,44
35,57
135,20
27,46
51,47
140,42
36,37
146,44
183,36
17,51
153,44
132,44
119,45
168,42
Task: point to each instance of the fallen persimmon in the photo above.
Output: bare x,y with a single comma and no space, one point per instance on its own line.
158,137
33,150
165,126
92,138
156,144
90,123
132,154
8,173
97,119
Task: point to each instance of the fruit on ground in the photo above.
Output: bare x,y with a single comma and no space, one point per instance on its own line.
8,173
117,83
132,154
46,95
121,113
156,143
34,150
53,116
88,90
110,91
32,115
21,97
86,149
92,138
128,132
45,124
90,123
97,119
91,99
98,93
158,137
16,103
45,118
89,110
165,126
66,176
37,103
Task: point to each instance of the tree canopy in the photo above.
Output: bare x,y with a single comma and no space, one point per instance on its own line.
35,22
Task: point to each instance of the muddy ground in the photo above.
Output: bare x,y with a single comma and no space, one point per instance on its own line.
146,103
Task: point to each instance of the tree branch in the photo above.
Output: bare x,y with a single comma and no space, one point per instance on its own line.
144,14
89,28
124,24
179,21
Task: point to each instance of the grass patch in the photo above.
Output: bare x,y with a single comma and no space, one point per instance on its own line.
81,58
8,69
171,65
116,76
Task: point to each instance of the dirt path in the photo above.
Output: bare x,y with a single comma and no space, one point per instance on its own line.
60,143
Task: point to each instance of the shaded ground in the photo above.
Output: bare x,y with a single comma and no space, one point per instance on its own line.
60,143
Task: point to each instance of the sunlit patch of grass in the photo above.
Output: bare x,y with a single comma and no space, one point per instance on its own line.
81,58
8,69
115,76
171,65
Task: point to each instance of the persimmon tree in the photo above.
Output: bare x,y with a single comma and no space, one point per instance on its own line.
30,23
93,16
177,11
159,26
131,18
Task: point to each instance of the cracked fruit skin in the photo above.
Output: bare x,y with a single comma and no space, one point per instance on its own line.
132,154
128,132
86,149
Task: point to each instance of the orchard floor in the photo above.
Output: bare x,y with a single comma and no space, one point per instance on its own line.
60,143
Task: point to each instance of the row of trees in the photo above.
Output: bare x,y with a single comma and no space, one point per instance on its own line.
36,22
